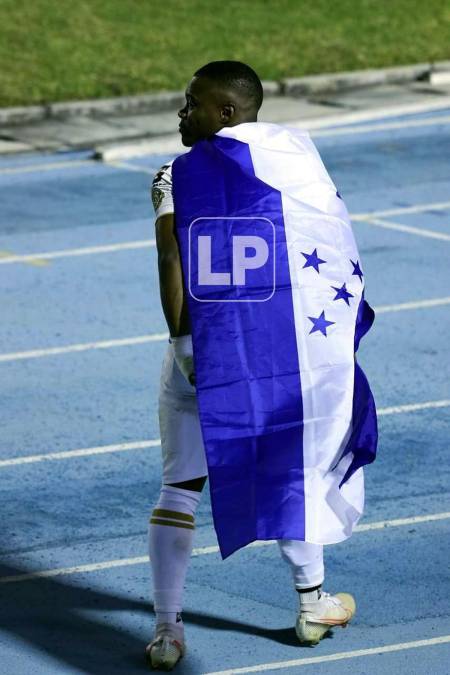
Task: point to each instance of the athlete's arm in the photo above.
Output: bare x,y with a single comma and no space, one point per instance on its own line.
171,286
173,296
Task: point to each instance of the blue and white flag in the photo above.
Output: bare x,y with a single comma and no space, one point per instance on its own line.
275,293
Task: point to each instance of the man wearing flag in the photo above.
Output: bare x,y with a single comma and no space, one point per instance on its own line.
262,289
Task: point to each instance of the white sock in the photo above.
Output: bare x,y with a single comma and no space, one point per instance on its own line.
171,533
305,560
309,598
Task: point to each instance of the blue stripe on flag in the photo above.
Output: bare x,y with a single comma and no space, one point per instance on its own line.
246,360
364,436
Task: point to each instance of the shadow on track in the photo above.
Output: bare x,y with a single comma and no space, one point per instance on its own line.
52,615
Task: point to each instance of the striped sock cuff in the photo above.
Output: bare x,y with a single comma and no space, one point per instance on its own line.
172,518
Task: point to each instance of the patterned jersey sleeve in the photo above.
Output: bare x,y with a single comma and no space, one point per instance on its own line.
162,191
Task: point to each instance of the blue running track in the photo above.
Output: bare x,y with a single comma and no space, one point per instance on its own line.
82,337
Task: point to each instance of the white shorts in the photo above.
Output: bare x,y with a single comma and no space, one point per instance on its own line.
183,452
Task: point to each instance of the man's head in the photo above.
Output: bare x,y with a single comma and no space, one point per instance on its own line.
221,94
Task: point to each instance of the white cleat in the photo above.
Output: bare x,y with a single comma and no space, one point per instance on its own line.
166,648
317,617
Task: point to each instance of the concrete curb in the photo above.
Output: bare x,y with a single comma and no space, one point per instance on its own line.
123,105
310,85
23,115
131,105
337,82
171,143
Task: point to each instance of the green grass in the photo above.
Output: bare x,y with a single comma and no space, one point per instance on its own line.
52,50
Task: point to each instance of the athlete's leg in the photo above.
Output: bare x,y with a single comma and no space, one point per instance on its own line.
318,611
172,521
305,560
171,534
184,474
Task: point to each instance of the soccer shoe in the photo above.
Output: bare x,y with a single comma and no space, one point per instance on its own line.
166,648
317,617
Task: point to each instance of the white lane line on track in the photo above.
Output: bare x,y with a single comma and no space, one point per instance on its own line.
400,522
75,252
150,243
54,166
50,166
36,262
419,304
418,208
338,656
420,232
206,550
82,452
83,347
414,407
155,442
160,337
132,167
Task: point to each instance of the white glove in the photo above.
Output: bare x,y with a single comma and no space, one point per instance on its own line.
183,352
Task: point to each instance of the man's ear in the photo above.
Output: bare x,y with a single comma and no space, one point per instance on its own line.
227,113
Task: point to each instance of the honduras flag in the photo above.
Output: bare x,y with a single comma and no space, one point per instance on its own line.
275,288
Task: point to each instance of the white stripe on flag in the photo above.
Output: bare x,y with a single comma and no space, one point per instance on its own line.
303,182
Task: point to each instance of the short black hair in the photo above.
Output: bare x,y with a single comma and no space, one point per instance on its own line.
236,75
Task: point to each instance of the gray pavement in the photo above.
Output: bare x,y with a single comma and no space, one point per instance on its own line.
73,126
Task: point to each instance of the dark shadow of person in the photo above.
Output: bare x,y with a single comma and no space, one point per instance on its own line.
52,615
70,623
